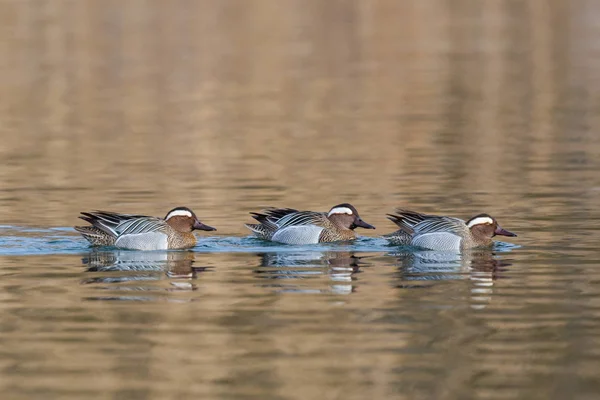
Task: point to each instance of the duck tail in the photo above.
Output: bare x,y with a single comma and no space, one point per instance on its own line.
400,237
266,220
403,223
260,231
95,236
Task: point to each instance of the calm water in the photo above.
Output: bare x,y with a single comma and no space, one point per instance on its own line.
455,107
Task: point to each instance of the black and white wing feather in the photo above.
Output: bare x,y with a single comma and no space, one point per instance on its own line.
278,218
123,224
406,219
302,218
436,224
428,231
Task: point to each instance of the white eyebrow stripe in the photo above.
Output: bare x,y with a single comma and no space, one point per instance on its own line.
480,220
340,210
179,213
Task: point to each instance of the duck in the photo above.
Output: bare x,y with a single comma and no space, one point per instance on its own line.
141,232
290,226
435,232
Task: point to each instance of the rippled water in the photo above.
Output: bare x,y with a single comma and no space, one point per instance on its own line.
452,107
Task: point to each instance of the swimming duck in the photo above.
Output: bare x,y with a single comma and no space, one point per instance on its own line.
290,226
436,232
141,232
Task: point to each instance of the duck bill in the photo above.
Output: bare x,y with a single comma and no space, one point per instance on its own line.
202,227
503,232
363,224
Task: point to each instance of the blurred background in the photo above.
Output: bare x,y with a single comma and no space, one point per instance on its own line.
228,106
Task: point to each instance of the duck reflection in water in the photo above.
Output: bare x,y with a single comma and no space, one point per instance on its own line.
482,267
118,269
307,268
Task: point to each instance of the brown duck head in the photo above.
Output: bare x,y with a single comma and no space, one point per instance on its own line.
484,227
345,216
182,219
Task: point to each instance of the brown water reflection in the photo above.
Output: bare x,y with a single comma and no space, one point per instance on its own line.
443,106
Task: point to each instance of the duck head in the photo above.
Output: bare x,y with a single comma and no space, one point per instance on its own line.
486,227
345,216
182,219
